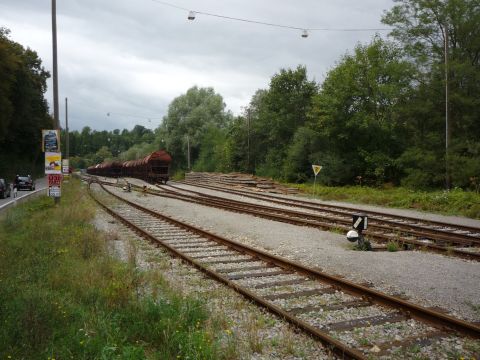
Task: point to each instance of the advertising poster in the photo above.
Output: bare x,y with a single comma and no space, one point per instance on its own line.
53,163
65,167
50,141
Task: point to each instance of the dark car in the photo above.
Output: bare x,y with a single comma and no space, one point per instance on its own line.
5,190
24,182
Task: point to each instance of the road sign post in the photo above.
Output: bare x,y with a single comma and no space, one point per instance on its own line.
316,170
54,185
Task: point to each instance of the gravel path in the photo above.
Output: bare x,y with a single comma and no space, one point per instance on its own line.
425,278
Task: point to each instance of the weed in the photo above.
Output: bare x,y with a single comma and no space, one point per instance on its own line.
65,297
254,336
392,246
474,307
363,341
454,202
365,247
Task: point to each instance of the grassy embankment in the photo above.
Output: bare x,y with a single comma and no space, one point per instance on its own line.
454,202
62,296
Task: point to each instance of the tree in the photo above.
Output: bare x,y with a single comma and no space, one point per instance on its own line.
356,113
24,111
420,26
189,118
276,114
103,154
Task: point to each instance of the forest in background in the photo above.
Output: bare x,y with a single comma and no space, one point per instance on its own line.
23,108
377,118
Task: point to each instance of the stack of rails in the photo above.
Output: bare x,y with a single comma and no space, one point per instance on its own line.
240,180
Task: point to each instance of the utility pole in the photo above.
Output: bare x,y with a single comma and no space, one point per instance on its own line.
67,145
55,67
447,126
248,140
188,152
55,75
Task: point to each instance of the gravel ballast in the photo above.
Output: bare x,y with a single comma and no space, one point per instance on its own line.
425,278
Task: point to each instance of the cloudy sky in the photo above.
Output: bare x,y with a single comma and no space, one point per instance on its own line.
131,58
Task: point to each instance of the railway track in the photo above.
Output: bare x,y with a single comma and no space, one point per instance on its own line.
457,234
457,240
329,308
466,232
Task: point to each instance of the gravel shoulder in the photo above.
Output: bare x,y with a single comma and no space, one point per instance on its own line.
424,278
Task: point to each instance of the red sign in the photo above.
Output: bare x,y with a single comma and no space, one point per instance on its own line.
54,179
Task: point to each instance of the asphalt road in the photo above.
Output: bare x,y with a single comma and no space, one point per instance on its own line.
40,184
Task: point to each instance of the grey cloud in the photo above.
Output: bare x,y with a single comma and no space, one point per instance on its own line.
135,57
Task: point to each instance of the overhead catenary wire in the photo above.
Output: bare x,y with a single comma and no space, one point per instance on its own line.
267,23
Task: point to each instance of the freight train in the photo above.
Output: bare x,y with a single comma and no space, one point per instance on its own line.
154,168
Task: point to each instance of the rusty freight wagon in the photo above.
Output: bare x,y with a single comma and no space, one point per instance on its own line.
154,168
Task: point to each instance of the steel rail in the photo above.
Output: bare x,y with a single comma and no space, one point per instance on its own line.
421,231
420,313
222,204
332,208
317,222
336,346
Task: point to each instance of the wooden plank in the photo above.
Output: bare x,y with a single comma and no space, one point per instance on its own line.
298,294
281,283
256,275
364,322
344,305
238,269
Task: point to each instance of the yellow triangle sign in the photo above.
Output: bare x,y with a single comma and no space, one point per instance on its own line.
316,169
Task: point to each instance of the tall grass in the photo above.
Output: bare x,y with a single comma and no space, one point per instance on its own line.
453,202
62,296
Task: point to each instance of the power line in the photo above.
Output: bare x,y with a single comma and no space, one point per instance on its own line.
265,23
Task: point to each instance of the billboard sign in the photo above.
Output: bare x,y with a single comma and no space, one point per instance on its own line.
53,163
50,140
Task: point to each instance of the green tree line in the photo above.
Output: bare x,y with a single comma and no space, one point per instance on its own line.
23,109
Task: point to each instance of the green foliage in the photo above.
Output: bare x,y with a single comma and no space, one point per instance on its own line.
213,154
62,296
275,115
24,111
190,117
138,151
392,246
355,112
453,202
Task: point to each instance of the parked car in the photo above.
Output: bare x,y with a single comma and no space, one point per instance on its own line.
24,182
5,190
